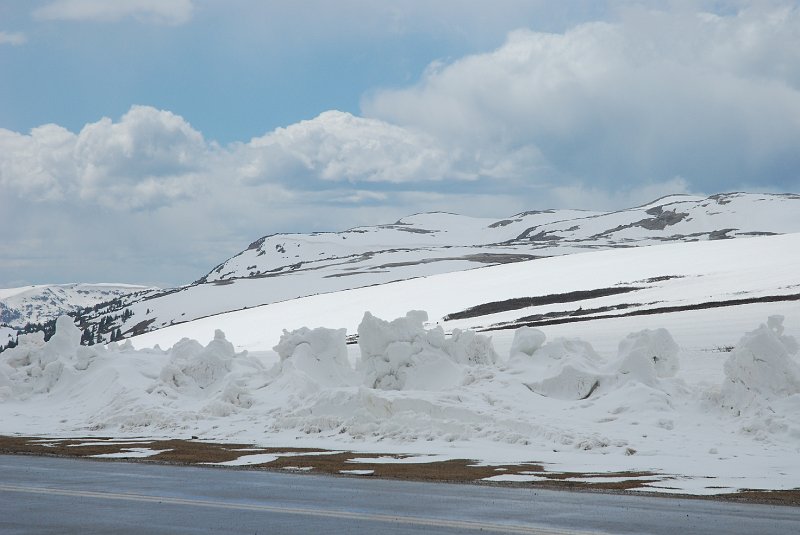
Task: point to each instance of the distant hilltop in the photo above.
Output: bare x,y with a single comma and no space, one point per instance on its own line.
280,267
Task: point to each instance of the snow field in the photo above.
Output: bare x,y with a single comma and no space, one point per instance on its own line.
701,271
409,388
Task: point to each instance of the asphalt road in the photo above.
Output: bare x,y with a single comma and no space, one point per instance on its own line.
50,495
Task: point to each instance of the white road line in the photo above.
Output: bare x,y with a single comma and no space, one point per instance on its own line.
329,513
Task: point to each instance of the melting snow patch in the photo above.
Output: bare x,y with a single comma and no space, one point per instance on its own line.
612,479
110,443
262,458
130,453
516,478
357,472
413,459
246,460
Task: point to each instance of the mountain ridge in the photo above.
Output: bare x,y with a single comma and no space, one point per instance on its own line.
284,266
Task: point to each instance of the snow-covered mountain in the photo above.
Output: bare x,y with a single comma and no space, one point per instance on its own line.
42,303
677,361
452,240
659,369
283,267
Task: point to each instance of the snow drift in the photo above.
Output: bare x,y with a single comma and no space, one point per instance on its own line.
405,383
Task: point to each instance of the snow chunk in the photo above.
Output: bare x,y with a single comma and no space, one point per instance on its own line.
761,367
569,367
214,373
403,355
320,353
194,367
36,366
649,354
526,341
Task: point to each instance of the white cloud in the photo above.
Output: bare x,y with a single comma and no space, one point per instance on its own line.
337,146
604,115
147,159
658,94
39,166
152,158
170,12
12,38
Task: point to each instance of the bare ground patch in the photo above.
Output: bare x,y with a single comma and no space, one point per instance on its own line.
308,460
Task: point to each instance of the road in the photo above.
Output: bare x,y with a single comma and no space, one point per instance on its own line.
52,495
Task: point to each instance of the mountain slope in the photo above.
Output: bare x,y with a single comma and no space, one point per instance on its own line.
703,407
710,279
441,237
42,303
283,267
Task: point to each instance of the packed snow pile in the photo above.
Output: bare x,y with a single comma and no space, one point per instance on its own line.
194,369
407,383
761,369
403,355
122,386
649,354
569,368
320,354
36,366
565,368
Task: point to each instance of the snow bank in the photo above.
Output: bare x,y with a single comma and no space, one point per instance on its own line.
35,367
415,385
119,386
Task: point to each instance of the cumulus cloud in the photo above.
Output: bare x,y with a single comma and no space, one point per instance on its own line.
39,166
149,158
603,111
337,146
603,115
12,38
711,98
170,12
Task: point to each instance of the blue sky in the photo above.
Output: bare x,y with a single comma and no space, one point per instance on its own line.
148,140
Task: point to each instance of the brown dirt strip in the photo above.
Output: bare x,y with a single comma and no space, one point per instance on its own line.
198,452
518,303
576,317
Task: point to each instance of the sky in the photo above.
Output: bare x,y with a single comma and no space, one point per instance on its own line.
146,141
